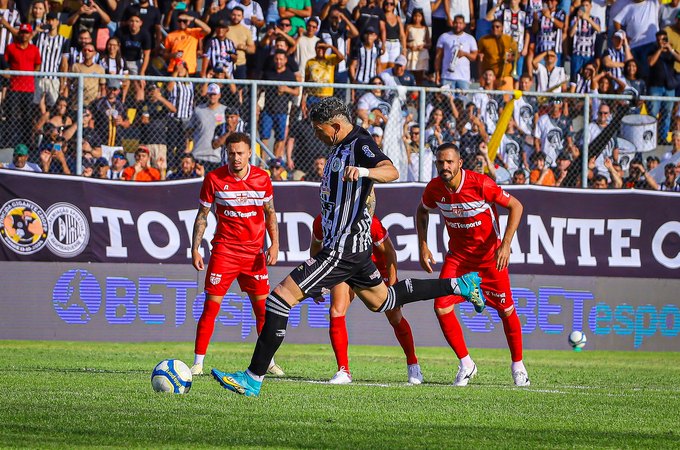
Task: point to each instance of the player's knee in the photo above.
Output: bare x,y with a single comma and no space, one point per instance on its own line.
507,312
443,311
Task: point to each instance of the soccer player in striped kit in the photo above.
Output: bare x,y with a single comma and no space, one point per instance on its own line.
355,162
468,200
243,198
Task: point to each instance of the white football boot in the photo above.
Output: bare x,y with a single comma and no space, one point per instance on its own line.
275,370
464,375
415,376
341,377
197,369
521,378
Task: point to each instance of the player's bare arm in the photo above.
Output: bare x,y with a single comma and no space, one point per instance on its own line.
424,253
272,225
200,224
515,209
383,172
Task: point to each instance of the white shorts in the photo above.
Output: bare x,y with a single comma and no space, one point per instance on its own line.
49,87
392,52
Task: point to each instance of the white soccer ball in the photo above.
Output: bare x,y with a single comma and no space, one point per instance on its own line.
171,375
577,339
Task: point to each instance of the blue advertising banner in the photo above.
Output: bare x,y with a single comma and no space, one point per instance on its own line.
563,232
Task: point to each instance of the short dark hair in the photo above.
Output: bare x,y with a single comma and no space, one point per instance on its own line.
328,108
448,146
281,52
189,156
459,16
237,8
536,156
669,166
234,138
519,172
600,177
661,33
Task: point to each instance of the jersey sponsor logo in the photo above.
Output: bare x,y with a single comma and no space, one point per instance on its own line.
69,230
310,262
226,187
463,226
215,278
24,227
375,275
367,151
260,277
506,194
242,215
281,333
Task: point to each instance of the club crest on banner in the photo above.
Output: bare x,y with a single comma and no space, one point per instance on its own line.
24,226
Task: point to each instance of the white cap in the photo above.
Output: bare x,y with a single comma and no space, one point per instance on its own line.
375,131
400,61
213,89
620,34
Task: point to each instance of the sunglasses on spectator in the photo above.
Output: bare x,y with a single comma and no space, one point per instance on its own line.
183,21
498,26
285,24
388,4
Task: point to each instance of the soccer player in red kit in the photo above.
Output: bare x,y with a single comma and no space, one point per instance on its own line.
385,259
467,201
243,198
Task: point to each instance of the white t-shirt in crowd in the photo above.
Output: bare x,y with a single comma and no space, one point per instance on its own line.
640,20
425,5
547,79
448,42
599,10
460,7
369,102
305,50
488,110
552,139
29,167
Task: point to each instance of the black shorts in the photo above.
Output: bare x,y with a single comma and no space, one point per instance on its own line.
325,270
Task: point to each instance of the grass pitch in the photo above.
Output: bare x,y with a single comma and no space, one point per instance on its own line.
74,394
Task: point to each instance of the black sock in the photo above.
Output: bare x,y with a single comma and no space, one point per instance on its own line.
271,337
410,290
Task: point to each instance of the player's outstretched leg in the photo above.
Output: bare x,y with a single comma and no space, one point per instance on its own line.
413,290
258,304
273,332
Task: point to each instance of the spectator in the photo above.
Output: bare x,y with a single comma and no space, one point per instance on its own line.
220,52
368,14
20,160
317,169
668,13
101,168
662,81
547,28
634,85
488,105
136,44
525,115
9,18
142,170
88,168
455,51
93,88
425,6
584,82
57,116
670,182
617,54
638,177
218,11
653,162
181,95
53,49
640,20
371,104
277,169
611,150
112,59
673,33
364,61
320,69
242,38
277,103
189,168
511,151
600,182
232,124
283,43
675,147
549,77
21,55
339,32
441,23
553,133
418,44
516,24
151,19
541,173
151,126
482,162
110,115
583,32
377,135
182,45
305,45
76,53
205,120
472,135
394,39
398,75
253,17
436,132
118,163
55,156
497,52
89,17
519,177
296,11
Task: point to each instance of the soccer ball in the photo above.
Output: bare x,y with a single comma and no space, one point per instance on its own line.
171,375
577,339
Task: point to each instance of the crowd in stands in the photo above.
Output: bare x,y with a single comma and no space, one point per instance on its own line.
177,129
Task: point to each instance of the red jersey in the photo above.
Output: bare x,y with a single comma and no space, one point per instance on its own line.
470,215
22,59
378,236
239,209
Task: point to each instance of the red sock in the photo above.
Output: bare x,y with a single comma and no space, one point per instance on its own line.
259,310
402,331
339,341
453,334
206,326
513,333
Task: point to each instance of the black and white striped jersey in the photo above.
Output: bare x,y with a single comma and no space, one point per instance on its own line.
345,220
617,56
221,55
367,63
182,97
52,50
11,16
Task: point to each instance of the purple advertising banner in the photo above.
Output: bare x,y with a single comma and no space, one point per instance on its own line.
563,232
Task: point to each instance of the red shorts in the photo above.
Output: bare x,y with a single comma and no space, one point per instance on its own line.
495,285
251,273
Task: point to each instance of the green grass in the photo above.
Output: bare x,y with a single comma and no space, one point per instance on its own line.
74,394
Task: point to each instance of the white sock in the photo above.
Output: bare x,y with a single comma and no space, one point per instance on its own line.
254,377
272,363
518,365
466,361
198,359
456,288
